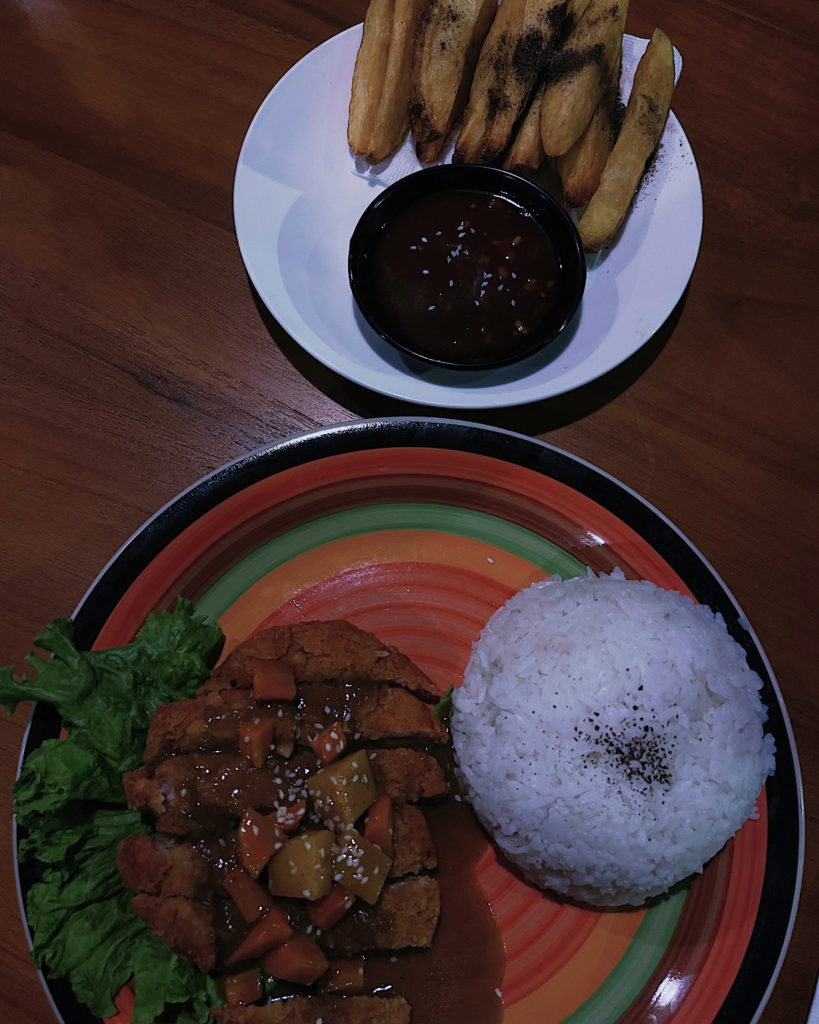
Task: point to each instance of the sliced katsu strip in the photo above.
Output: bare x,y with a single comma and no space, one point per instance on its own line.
214,724
321,651
406,775
327,1008
183,924
414,846
405,916
368,712
157,865
199,794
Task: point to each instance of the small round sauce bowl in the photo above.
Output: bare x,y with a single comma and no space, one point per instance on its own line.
466,266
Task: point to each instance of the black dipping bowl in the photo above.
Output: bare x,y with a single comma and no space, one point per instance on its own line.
392,301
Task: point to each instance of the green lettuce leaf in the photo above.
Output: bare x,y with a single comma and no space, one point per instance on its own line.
82,927
109,697
70,809
161,980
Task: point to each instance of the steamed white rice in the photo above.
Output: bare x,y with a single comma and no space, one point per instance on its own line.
609,735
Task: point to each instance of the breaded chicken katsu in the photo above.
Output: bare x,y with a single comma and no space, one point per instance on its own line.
290,836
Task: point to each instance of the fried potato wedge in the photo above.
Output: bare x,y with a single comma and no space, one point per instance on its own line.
392,120
390,77
580,73
526,151
643,126
580,169
450,38
430,152
512,57
368,74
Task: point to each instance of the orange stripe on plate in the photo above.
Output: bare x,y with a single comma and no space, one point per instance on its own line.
595,958
367,577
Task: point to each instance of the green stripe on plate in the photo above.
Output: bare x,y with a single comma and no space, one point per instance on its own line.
636,966
500,533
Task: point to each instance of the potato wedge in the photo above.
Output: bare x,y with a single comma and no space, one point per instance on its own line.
449,40
430,152
526,151
643,126
392,117
368,75
580,73
573,15
580,169
512,57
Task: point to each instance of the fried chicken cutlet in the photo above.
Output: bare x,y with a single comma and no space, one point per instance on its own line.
230,783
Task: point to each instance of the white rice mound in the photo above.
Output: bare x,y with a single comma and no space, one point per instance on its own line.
609,735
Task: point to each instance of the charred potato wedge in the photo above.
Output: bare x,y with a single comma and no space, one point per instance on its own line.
526,151
511,60
643,126
580,73
449,41
580,169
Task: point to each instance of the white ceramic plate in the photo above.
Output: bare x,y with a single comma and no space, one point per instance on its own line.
299,192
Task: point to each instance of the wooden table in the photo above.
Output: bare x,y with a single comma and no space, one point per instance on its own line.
134,359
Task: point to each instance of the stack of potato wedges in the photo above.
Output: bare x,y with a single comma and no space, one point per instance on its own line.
517,84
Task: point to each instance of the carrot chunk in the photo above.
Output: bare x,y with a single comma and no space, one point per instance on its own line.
272,680
259,838
299,960
243,988
330,743
248,895
256,739
272,930
330,909
378,827
288,818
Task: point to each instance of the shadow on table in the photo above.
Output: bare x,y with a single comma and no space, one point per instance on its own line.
531,418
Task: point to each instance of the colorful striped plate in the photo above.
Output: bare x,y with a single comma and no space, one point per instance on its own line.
417,529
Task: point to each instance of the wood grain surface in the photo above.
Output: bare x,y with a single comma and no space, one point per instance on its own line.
135,359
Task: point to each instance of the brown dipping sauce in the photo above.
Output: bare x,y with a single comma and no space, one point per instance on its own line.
465,276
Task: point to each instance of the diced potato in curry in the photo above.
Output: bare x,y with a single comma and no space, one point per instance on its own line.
342,791
360,866
303,868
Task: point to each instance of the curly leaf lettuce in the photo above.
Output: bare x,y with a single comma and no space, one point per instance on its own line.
70,806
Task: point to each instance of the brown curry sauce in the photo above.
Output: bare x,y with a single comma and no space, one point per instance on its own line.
458,979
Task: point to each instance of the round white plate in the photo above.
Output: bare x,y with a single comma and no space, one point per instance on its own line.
299,192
